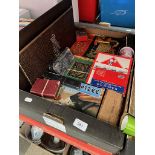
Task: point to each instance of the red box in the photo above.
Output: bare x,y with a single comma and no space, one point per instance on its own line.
79,48
81,36
112,77
46,88
110,71
88,10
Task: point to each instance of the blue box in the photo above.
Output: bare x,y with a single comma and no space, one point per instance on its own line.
118,12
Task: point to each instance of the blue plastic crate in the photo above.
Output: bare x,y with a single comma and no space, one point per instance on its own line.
118,12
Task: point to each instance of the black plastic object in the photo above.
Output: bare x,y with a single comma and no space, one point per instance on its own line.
110,139
32,30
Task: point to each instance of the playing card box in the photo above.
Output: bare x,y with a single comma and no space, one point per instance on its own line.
111,72
115,80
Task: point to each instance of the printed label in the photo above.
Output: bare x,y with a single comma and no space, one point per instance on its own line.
54,124
28,99
120,12
90,90
80,124
102,84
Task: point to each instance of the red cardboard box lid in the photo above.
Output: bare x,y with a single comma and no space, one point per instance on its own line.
113,62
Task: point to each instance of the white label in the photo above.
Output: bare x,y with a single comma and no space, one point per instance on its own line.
80,124
28,99
54,124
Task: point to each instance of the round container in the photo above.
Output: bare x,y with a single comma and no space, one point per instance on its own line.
128,125
126,52
28,135
36,133
52,144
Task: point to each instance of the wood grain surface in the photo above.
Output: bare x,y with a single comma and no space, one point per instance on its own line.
132,99
110,108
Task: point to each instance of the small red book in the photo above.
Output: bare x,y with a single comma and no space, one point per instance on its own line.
46,88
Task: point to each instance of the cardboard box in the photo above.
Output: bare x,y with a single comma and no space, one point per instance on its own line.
46,47
81,36
110,108
110,71
45,87
63,118
132,99
80,100
79,48
27,147
34,60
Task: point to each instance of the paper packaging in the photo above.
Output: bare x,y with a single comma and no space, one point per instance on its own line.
115,80
46,88
81,101
79,48
111,72
110,108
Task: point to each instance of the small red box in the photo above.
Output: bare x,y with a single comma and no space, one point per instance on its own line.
110,71
81,36
79,48
46,88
